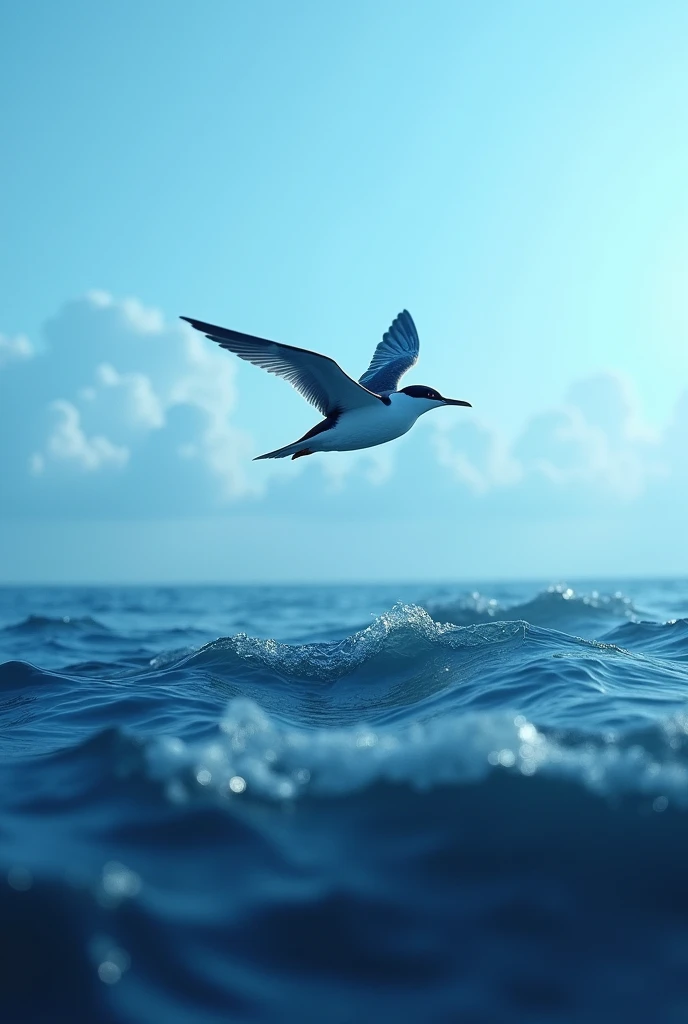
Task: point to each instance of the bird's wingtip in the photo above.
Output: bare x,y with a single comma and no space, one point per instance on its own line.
198,325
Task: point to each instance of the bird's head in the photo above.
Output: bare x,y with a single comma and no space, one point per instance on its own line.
428,398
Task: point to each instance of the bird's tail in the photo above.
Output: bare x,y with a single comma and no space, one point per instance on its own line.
296,450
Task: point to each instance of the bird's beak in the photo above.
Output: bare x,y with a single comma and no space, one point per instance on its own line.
456,401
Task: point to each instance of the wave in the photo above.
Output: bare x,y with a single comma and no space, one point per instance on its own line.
253,758
407,701
558,607
405,661
407,631
255,754
38,624
663,639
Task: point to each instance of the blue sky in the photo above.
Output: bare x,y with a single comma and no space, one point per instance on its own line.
513,173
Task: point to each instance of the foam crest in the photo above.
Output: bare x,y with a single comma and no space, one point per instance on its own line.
255,756
557,607
405,631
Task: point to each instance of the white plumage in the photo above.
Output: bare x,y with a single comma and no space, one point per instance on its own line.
358,414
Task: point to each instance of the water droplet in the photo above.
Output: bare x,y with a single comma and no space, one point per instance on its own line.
527,732
119,882
366,739
109,972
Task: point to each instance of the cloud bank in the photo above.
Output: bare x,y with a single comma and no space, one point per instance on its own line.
116,412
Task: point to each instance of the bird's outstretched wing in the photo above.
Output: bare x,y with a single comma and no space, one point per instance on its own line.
396,353
320,380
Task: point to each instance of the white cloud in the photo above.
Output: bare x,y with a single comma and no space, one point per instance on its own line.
460,465
597,440
209,385
610,402
68,442
16,348
122,371
143,319
477,456
145,407
226,451
99,298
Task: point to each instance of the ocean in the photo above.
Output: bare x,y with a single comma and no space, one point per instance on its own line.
339,804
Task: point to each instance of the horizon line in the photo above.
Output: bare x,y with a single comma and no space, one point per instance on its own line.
437,581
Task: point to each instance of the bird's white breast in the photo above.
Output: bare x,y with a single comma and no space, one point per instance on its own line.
365,428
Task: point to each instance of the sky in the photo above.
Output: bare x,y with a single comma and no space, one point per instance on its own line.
513,173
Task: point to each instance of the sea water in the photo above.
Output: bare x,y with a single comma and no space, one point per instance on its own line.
344,804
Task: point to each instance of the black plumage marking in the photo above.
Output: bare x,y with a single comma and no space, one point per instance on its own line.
421,391
327,424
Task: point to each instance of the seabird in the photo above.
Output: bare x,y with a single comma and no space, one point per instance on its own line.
358,414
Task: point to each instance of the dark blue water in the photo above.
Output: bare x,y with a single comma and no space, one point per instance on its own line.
344,804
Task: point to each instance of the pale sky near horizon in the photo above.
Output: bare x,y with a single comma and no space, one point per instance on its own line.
511,172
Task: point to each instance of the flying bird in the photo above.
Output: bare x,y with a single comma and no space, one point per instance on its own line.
358,414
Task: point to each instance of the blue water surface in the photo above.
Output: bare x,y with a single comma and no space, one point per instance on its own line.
344,804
